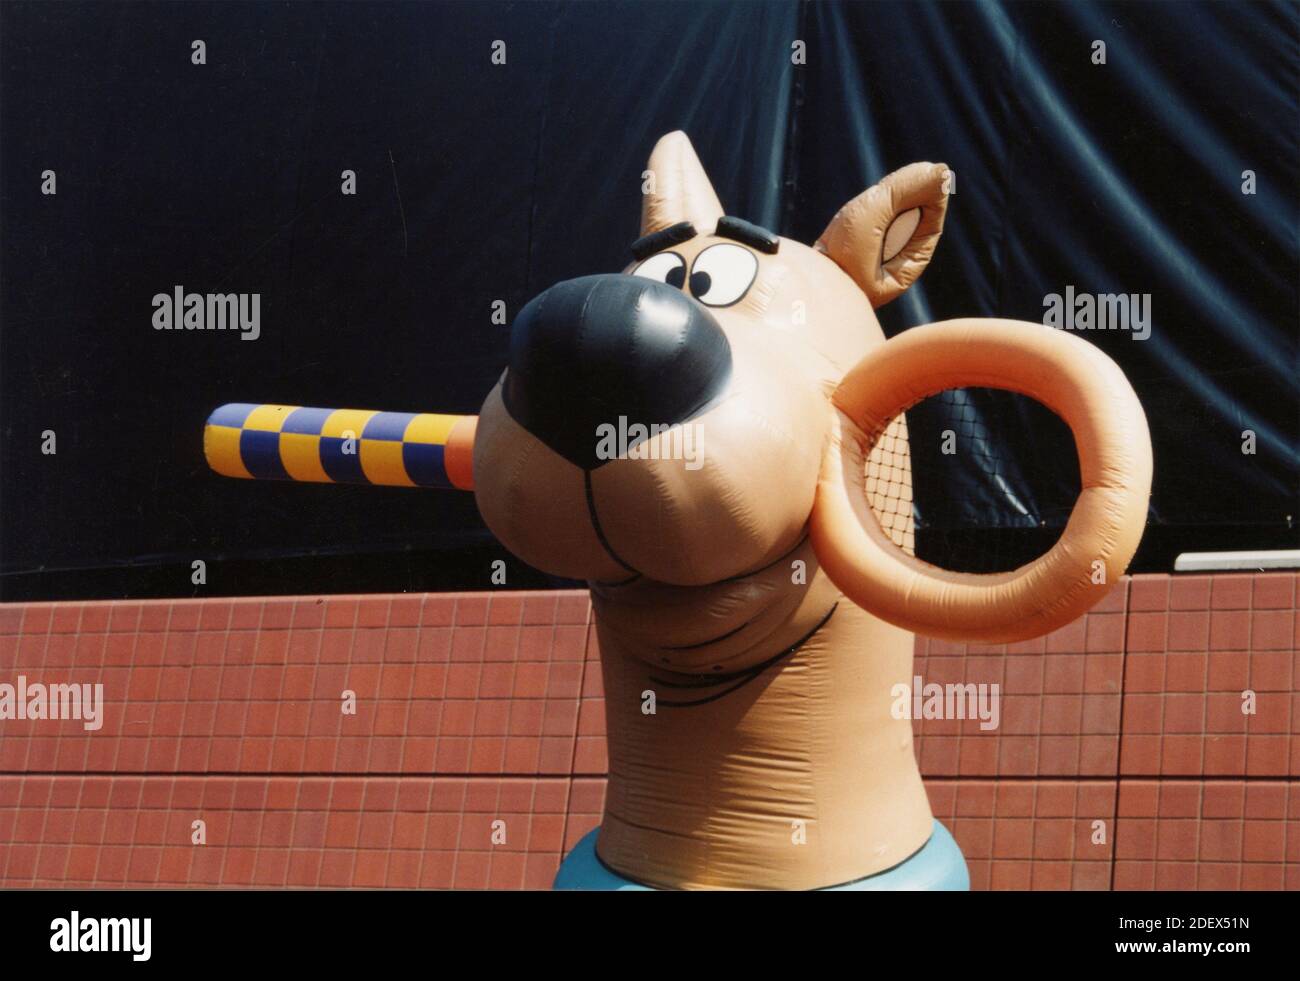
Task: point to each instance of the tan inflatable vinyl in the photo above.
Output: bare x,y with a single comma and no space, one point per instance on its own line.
1068,375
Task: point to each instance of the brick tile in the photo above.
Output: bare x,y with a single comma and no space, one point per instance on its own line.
1231,592
1229,630
1146,631
1148,593
1274,591
1189,593
1272,630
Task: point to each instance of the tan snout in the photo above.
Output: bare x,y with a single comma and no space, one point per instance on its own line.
723,493
1071,377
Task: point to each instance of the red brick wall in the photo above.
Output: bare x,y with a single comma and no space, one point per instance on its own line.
480,708
1132,716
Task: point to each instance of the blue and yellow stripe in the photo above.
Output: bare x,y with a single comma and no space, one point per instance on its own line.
344,446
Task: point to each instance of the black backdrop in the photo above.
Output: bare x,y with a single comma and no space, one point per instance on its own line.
480,182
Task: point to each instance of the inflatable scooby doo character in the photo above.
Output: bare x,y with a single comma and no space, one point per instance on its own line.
747,536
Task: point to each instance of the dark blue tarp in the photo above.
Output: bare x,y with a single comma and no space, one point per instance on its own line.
480,182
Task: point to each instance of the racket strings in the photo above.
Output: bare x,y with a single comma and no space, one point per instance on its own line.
889,483
989,499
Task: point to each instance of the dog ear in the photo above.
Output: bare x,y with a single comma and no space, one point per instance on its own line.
679,188
885,236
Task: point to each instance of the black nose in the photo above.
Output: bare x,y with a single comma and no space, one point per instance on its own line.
589,350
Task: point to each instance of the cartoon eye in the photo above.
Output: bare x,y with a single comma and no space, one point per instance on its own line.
666,267
722,274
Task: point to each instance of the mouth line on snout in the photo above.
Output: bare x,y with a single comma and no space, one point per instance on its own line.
601,537
593,513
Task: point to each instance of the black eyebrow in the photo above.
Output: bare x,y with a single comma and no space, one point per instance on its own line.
648,245
749,234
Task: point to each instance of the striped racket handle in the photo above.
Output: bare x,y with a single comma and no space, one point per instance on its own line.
345,446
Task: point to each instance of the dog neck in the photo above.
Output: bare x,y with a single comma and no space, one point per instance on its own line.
766,756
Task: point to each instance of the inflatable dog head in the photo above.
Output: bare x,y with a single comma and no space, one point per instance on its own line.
672,421
669,421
